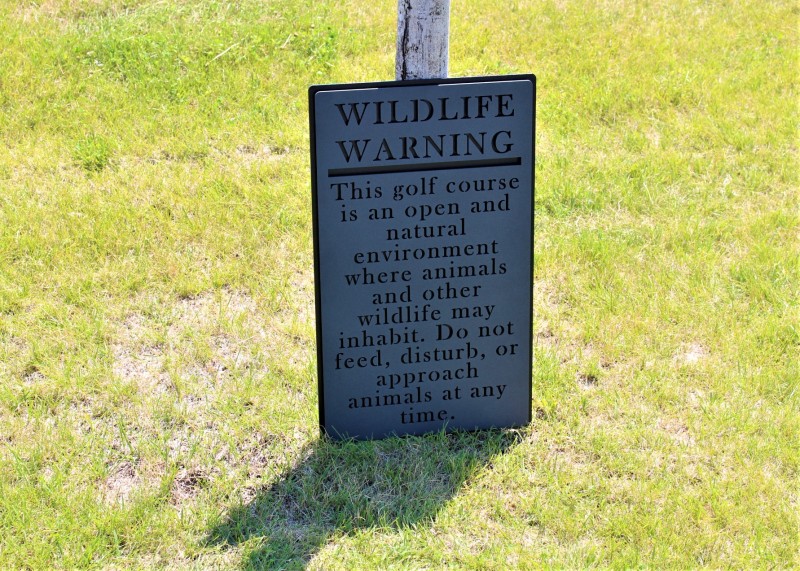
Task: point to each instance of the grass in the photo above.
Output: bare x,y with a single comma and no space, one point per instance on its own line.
157,374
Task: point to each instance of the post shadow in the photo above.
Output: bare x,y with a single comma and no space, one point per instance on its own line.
344,487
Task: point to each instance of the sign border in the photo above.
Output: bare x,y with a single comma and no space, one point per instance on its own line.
312,91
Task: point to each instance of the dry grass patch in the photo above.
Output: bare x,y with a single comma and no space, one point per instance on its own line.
186,360
691,354
121,484
188,483
197,342
677,431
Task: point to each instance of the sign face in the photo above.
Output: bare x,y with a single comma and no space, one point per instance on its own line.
423,244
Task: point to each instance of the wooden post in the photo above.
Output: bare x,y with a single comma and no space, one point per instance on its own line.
423,35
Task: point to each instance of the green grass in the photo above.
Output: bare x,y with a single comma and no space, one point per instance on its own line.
157,366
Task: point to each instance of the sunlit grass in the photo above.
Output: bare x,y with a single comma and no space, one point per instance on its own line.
157,373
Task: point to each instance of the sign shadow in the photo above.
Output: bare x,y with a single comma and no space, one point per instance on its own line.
344,487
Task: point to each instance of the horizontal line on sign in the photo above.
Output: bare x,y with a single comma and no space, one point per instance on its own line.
449,165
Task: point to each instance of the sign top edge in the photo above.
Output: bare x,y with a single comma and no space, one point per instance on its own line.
417,82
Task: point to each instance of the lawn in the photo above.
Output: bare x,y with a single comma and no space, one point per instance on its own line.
158,403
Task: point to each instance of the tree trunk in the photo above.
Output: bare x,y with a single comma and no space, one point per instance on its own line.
423,35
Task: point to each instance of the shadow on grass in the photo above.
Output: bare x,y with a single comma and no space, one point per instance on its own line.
344,487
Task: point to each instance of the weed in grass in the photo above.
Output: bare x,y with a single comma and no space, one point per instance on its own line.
92,153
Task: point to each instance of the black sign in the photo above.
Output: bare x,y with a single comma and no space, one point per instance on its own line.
423,244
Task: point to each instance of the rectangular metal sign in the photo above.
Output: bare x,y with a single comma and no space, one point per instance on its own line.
423,244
